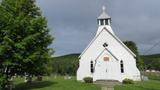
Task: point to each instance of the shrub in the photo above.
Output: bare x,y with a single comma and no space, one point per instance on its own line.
39,78
88,80
3,82
128,81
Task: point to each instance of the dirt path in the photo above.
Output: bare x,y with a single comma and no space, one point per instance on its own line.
107,88
107,85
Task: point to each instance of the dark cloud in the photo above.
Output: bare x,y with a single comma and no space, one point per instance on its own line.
73,22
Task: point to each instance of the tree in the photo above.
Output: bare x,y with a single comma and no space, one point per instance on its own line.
24,39
132,46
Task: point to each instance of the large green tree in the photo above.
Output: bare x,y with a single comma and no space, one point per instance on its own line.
24,39
132,46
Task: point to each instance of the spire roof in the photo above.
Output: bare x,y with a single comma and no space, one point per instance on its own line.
104,15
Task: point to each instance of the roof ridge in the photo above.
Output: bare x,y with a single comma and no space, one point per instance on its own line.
114,36
121,42
90,43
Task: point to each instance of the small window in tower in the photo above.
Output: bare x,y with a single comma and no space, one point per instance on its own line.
106,22
101,22
122,66
92,67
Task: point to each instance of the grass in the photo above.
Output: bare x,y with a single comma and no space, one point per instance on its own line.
147,85
54,84
60,84
152,84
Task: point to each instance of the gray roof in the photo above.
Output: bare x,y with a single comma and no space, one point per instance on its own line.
104,15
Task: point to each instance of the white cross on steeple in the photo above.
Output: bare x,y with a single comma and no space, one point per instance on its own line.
104,8
104,15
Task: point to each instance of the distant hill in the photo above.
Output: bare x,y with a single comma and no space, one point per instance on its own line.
67,64
68,56
151,61
152,56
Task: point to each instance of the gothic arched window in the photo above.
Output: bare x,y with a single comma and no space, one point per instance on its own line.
92,67
122,66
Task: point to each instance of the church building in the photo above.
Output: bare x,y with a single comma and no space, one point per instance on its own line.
106,57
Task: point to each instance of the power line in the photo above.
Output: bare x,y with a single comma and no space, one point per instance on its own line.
147,51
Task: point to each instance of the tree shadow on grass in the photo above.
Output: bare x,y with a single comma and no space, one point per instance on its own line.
34,85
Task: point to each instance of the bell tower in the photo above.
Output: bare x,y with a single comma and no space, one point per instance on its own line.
104,18
104,21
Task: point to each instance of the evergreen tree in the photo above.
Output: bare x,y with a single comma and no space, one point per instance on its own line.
24,39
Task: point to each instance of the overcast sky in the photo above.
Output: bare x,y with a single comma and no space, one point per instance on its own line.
73,23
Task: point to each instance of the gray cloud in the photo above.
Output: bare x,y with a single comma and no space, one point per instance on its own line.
73,22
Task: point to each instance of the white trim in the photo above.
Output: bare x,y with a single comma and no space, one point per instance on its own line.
102,53
112,54
115,37
90,43
121,42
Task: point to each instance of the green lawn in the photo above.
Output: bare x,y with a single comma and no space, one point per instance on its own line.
55,84
61,84
146,85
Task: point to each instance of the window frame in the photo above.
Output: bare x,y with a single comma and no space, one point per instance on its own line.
91,67
122,66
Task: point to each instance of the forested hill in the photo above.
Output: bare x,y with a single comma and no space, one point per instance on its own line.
68,64
151,56
151,62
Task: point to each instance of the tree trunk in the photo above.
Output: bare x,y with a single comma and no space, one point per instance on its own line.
141,75
29,79
8,84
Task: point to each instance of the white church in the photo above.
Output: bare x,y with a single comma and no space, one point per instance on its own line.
106,57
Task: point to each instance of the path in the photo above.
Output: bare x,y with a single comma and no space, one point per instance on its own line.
107,84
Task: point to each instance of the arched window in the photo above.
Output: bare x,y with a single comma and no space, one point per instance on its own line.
92,67
122,66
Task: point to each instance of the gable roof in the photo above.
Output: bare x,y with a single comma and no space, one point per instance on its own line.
114,36
106,49
112,54
102,53
104,15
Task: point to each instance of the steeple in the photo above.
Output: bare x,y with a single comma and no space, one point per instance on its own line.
104,18
104,21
